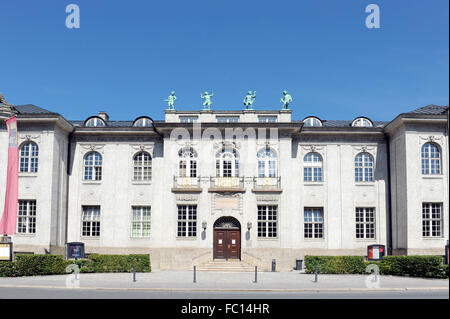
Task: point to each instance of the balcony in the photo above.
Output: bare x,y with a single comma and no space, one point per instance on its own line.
226,184
186,185
267,184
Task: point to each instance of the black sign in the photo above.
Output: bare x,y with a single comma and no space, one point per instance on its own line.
75,250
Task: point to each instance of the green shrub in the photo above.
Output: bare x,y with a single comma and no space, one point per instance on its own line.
7,269
39,265
116,263
335,264
414,266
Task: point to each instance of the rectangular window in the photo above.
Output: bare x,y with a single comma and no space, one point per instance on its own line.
90,221
267,221
313,223
188,119
432,219
365,222
140,226
267,119
227,119
26,217
187,221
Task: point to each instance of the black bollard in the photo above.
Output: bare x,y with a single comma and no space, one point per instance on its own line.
256,274
134,273
316,274
195,269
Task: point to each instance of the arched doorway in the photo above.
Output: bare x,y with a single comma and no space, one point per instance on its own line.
227,238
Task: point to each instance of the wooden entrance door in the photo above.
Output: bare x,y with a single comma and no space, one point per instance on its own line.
227,244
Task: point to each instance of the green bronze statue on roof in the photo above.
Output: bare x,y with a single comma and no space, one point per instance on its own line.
171,101
248,102
286,99
207,103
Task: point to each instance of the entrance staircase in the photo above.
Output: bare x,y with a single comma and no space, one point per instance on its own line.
221,265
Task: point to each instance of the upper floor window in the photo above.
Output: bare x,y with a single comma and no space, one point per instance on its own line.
312,167
95,122
227,163
227,119
187,166
93,167
312,121
267,163
267,119
142,122
188,119
431,159
363,167
142,167
362,122
29,157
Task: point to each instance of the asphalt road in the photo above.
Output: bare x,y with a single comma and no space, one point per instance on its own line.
43,293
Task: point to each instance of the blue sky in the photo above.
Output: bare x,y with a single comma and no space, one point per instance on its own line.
128,55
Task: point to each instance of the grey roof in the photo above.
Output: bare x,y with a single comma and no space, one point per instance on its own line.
31,109
430,109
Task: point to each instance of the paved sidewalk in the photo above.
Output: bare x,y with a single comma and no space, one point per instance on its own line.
215,281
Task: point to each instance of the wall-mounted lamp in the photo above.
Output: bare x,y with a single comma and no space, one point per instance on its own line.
249,225
204,225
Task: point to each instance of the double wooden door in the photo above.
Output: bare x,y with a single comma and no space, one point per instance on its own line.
227,244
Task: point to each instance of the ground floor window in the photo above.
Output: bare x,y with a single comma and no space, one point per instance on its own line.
26,217
267,221
187,221
140,225
365,222
432,219
313,223
90,221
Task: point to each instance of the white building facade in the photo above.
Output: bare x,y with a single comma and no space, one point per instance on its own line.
248,185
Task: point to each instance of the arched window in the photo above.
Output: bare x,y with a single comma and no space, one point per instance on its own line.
29,153
227,163
142,122
267,163
431,159
93,167
142,167
312,167
94,122
362,122
187,166
363,167
312,121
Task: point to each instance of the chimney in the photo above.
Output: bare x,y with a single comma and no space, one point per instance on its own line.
104,116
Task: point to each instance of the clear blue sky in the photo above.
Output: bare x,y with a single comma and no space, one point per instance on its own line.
128,55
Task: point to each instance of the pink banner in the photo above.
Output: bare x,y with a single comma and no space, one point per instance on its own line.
9,218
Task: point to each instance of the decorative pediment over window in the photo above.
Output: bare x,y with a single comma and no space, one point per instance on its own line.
320,149
227,145
147,147
364,149
92,147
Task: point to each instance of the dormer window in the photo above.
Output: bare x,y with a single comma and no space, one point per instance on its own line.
142,122
362,122
312,121
94,122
